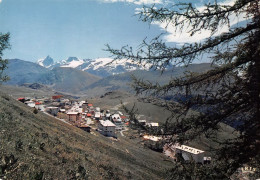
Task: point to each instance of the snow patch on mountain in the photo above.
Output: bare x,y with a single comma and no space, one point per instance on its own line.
73,63
46,62
109,63
102,67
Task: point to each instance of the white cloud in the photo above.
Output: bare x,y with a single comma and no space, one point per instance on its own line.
0,1
138,2
182,36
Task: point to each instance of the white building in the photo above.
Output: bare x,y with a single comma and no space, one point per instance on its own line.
97,115
117,121
98,109
142,122
152,124
30,103
188,152
107,128
116,118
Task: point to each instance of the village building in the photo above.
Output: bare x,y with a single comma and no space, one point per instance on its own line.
152,125
57,98
52,110
108,116
74,116
84,127
117,121
97,115
30,104
186,152
89,115
21,99
85,107
124,118
39,106
107,128
142,122
62,110
116,118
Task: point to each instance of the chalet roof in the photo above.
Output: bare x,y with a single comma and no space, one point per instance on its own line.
107,123
72,113
188,149
83,125
153,124
52,107
143,120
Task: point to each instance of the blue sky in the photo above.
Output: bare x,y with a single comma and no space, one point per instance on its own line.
81,28
63,28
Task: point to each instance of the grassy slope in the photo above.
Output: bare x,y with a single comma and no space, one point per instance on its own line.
45,147
159,114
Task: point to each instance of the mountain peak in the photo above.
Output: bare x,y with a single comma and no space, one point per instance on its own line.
72,59
46,62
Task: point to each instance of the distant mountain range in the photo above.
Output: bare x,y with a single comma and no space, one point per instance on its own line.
59,78
92,77
102,67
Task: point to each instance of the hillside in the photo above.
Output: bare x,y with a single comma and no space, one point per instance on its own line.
67,80
151,112
123,81
72,80
91,82
36,146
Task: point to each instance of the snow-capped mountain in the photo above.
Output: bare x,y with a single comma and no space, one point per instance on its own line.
102,67
106,66
46,62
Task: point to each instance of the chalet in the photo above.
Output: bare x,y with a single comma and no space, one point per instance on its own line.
89,115
188,153
57,97
62,110
108,116
84,127
39,106
53,110
97,115
117,121
107,128
97,109
21,99
124,118
152,125
85,107
73,116
142,122
30,103
116,118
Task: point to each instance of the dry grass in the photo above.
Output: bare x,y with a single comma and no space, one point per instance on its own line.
45,148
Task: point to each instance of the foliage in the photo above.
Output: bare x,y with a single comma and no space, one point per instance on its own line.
4,44
229,93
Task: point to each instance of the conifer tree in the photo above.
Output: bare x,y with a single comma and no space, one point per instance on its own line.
4,44
228,93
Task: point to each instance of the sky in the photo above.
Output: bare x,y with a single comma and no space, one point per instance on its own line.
81,28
